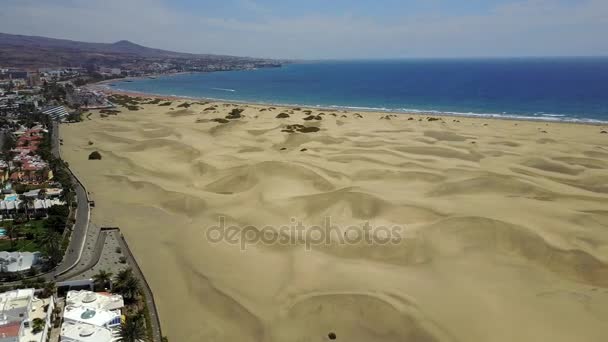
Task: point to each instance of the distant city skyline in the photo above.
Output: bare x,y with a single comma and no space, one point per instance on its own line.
318,29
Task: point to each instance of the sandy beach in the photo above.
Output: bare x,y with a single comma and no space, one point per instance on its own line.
503,224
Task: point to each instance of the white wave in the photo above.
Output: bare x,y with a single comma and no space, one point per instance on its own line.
503,115
224,89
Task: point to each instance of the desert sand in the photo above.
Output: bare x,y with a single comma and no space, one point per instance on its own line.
506,222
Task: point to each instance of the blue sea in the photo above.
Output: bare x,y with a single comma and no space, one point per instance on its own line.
568,89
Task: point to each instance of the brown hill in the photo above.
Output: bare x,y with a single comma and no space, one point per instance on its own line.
34,52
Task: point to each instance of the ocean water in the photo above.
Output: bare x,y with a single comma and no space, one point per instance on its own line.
572,89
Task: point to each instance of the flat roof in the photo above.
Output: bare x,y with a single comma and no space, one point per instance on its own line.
84,332
10,330
94,300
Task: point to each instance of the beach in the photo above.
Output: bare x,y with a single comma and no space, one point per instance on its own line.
499,228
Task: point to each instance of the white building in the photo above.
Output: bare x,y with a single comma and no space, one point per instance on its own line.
91,317
17,261
19,310
82,332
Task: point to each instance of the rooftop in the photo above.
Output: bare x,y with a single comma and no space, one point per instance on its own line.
102,310
17,261
10,330
14,305
94,300
83,332
97,317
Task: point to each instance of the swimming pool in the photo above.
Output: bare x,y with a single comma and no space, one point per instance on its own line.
2,232
10,198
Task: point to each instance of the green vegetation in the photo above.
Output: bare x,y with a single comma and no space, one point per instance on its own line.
58,166
133,108
282,116
76,116
165,104
235,114
124,100
32,236
313,117
220,120
95,155
148,320
133,329
102,280
109,111
154,101
127,284
184,105
37,325
300,128
53,91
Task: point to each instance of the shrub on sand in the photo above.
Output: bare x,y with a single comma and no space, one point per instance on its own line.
95,155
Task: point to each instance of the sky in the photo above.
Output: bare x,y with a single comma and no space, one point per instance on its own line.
325,29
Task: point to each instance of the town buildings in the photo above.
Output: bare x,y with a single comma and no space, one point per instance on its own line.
24,317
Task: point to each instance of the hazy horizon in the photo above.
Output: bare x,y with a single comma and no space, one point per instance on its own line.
316,30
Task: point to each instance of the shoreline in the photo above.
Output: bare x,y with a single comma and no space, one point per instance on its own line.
101,86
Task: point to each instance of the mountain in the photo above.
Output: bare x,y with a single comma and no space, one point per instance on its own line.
35,52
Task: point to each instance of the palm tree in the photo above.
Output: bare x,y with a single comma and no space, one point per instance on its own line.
48,289
103,279
133,329
29,203
51,243
123,276
127,285
12,232
22,206
42,194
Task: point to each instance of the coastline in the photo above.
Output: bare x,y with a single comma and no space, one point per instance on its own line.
106,89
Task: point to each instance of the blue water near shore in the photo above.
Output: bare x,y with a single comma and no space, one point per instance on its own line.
569,89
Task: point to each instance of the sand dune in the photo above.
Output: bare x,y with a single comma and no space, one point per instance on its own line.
504,228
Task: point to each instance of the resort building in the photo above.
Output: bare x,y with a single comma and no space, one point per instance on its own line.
11,262
23,317
11,205
56,112
97,309
48,193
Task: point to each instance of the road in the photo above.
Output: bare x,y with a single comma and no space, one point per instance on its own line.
79,230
